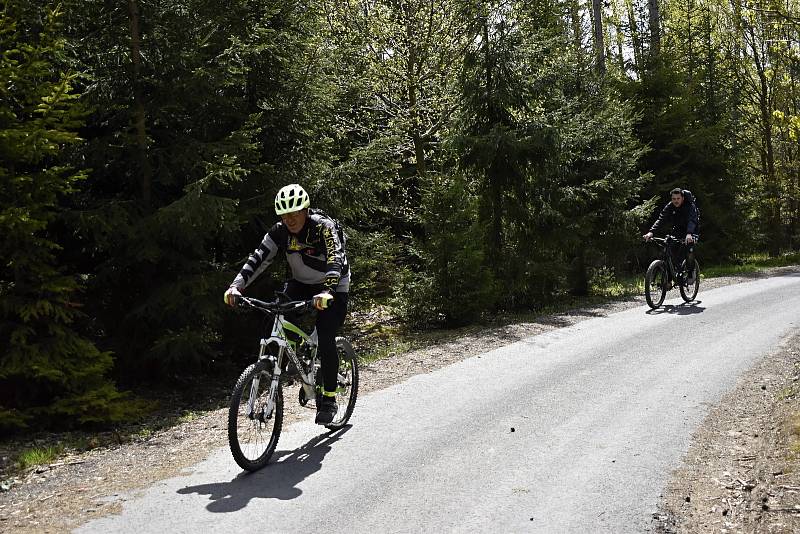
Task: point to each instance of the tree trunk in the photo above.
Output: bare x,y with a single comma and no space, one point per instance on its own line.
635,37
794,194
772,188
620,37
579,275
138,105
411,87
712,107
496,193
577,33
416,136
690,59
599,47
655,29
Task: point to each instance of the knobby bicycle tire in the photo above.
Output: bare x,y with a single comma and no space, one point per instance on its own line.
348,362
659,285
242,387
686,294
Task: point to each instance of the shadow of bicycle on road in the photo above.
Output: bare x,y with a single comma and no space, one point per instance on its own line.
278,480
686,308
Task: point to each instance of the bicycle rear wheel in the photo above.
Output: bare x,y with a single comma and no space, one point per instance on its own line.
655,284
253,435
347,389
689,292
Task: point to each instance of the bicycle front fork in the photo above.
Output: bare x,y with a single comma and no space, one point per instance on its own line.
273,386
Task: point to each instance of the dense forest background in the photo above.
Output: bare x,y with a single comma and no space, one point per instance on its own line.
483,156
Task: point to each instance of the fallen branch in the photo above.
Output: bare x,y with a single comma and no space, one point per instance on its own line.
73,462
787,510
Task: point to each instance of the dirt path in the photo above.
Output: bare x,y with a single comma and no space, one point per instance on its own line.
57,497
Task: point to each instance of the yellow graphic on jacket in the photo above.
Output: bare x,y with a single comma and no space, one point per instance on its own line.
295,245
330,244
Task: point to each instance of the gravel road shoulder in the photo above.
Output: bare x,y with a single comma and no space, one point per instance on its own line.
742,471
80,487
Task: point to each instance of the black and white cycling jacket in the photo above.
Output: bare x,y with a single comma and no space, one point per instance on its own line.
316,255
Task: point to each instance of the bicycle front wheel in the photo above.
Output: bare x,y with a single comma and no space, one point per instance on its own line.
347,387
689,292
253,432
655,284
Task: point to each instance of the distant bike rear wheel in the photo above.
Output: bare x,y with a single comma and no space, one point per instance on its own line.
347,387
253,435
655,284
689,292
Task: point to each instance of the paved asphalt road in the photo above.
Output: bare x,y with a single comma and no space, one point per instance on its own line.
601,412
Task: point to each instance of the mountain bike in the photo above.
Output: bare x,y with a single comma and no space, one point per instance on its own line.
662,275
255,416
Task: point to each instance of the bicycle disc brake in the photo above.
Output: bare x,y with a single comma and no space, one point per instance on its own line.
303,399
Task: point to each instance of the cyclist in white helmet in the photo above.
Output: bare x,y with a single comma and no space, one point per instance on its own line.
314,247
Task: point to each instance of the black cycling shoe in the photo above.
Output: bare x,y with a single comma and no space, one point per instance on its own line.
326,410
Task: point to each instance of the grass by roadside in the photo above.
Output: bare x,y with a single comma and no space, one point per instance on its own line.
39,456
605,284
751,264
22,455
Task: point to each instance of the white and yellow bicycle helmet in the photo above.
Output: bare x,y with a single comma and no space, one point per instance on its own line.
291,198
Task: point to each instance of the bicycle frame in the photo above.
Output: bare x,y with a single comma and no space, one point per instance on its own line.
285,347
666,256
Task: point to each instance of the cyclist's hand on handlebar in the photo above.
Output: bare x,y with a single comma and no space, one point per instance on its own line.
323,300
648,236
689,239
232,296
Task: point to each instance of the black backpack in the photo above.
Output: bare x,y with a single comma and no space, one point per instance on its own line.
687,195
339,227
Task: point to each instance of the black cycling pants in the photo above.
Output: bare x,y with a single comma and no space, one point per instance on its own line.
328,323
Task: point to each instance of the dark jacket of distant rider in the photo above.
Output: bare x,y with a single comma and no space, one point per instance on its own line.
680,220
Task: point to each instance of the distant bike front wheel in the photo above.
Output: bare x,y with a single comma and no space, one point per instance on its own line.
253,430
689,292
655,284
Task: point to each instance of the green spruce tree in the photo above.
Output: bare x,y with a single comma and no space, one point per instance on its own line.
49,371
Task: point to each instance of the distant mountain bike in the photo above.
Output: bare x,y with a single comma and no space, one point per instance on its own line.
662,275
255,416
